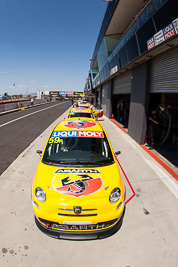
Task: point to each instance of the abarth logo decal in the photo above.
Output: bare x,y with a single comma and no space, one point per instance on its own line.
79,124
77,184
80,171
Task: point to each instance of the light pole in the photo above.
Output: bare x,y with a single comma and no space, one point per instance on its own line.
28,85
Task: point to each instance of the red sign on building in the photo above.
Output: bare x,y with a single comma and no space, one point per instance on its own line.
150,43
168,31
70,93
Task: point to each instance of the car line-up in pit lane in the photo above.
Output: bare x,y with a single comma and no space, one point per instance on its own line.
78,192
81,113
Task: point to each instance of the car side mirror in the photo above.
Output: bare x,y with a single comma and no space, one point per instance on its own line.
39,152
117,153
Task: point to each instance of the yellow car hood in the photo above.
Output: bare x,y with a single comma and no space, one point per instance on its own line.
74,183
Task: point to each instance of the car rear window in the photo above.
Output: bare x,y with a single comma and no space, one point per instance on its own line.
80,114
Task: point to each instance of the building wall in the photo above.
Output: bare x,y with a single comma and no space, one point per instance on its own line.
139,103
129,52
104,89
106,93
109,99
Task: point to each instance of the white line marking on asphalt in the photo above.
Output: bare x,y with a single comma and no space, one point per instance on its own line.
29,115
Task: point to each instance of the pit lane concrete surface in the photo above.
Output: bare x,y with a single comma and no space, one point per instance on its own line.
148,236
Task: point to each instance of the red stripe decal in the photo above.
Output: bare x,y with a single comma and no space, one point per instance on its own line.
127,181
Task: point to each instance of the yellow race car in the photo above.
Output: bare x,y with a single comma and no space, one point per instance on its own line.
78,192
97,111
81,112
83,104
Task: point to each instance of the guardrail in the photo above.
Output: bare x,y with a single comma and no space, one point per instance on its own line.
17,104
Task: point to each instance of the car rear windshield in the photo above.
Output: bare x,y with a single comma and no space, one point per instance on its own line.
78,151
80,114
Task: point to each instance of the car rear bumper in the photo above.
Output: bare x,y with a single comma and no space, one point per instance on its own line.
81,235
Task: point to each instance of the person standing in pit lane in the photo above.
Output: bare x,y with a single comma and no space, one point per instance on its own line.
152,127
32,100
120,111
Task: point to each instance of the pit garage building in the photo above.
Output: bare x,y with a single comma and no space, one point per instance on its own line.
135,60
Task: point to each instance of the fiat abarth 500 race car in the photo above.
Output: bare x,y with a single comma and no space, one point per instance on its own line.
78,192
98,111
83,104
81,112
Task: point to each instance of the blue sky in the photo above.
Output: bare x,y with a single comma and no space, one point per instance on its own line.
47,44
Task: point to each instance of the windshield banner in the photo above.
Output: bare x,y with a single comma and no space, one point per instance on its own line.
77,134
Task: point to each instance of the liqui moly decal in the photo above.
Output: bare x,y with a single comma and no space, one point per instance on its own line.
90,134
150,43
169,31
78,134
65,134
164,34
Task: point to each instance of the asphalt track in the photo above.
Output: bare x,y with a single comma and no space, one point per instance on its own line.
19,129
148,236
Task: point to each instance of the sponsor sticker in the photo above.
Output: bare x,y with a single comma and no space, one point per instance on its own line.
150,43
79,124
62,92
83,171
175,23
70,93
113,70
75,134
65,134
169,31
159,37
55,140
164,34
90,134
77,182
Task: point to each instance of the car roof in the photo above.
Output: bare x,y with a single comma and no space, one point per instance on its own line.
82,110
78,110
79,124
83,104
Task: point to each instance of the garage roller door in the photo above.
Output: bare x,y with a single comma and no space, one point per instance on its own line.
122,84
164,73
